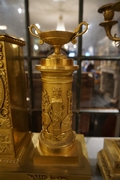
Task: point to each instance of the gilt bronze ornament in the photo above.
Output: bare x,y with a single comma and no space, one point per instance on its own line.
108,157
56,153
14,125
108,11
57,136
57,143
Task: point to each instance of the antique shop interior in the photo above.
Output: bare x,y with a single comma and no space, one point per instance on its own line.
95,85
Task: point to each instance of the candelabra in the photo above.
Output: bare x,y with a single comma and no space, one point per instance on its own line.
57,144
56,153
108,13
109,156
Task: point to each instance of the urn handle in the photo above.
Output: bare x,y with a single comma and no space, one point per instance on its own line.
38,35
77,33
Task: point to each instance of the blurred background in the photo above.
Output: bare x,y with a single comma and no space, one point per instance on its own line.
96,94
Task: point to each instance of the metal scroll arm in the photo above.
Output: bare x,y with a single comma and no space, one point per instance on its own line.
108,12
108,26
76,31
38,35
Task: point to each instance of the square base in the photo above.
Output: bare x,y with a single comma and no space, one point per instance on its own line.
39,157
15,162
109,159
55,171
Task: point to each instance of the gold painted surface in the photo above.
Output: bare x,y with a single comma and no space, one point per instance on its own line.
57,137
68,157
112,149
56,110
58,169
17,90
6,144
5,115
9,161
14,127
58,154
57,113
60,38
109,159
108,13
56,133
11,39
1,92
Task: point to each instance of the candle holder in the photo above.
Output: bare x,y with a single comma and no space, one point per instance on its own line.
57,143
108,157
108,13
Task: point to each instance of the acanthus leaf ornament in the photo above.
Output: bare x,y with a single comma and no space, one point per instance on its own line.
4,94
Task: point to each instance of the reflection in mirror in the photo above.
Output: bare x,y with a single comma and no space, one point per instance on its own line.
100,84
97,125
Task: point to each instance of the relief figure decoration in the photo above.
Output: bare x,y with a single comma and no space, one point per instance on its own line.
46,109
4,143
57,109
67,122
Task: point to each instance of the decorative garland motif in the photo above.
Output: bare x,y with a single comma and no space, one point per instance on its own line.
106,168
4,94
15,161
4,143
52,115
44,177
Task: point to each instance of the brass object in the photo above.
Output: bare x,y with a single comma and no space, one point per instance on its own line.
14,129
109,156
108,13
57,144
58,37
56,136
47,171
57,153
109,159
